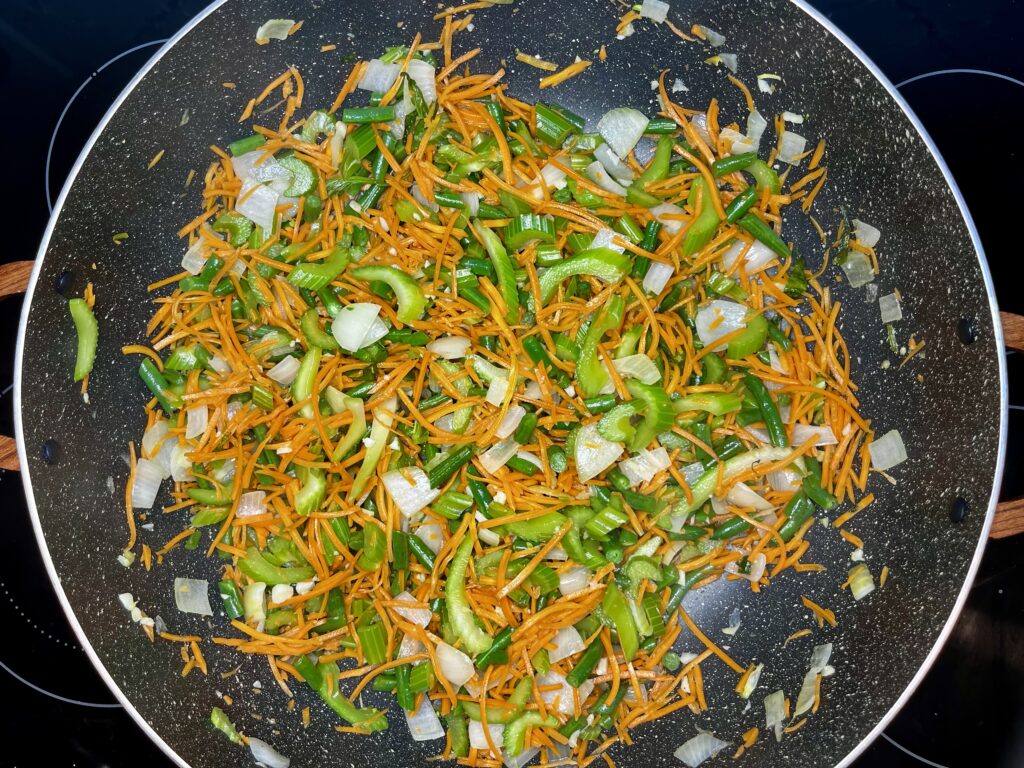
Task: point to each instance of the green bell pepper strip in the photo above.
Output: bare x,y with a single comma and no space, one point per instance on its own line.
617,609
524,432
235,226
169,400
474,639
515,732
368,114
750,340
635,195
514,705
732,164
796,278
687,580
764,176
602,263
591,374
658,412
797,512
323,678
311,495
755,226
600,403
258,568
422,552
717,403
411,301
403,692
730,528
458,730
769,410
87,331
660,126
302,386
586,663
702,229
232,598
813,488
657,169
501,643
503,268
740,205
315,335
539,528
378,441
444,470
223,723
318,274
702,489
304,177
776,334
356,429
374,548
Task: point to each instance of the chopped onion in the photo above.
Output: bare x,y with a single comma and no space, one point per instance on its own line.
402,110
793,117
450,347
510,422
857,268
153,438
413,614
432,535
804,432
573,580
639,367
700,748
775,712
756,125
379,76
699,123
338,143
284,372
567,643
594,454
456,666
496,391
655,10
195,258
819,660
679,87
148,476
252,504
719,318
889,308
743,495
865,234
352,327
657,277
738,143
611,162
258,203
422,74
606,238
409,488
792,146
219,364
180,466
670,216
692,472
750,684
410,646
597,174
887,451
197,417
424,725
715,39
785,480
472,201
562,698
275,29
478,738
252,604
755,255
264,754
622,128
730,61
764,86
645,465
861,582
497,456
193,596
734,623
523,759
756,571
281,592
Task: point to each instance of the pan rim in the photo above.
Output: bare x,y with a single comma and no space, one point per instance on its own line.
829,27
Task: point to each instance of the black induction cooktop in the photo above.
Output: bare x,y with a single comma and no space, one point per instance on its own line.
957,62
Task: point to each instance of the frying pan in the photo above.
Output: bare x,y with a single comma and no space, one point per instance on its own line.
949,404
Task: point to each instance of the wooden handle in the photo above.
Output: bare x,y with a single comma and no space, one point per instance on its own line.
13,281
1013,331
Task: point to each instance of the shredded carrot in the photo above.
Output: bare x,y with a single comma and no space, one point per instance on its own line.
533,61
569,72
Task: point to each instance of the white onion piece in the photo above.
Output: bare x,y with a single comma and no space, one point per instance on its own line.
574,580
402,110
792,117
865,234
775,712
478,737
472,201
148,476
672,217
195,258
887,451
410,489
655,10
153,438
639,367
510,422
751,682
410,646
562,699
785,480
197,417
281,592
568,642
889,308
497,456
756,125
180,466
275,29
379,76
606,238
699,123
594,454
791,147
352,326
742,495
258,203
692,472
423,75
285,371
496,391
719,318
432,535
804,432
450,347
266,755
737,142
243,164
819,660
193,596
657,277
167,457
611,162
456,666
338,143
730,61
757,566
532,458
715,39
857,268
699,748
756,256
862,583
645,465
252,504
557,553
413,614
522,760
424,724
622,128
253,604
219,364
597,174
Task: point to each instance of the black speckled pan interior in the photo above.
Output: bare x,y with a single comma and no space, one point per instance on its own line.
947,405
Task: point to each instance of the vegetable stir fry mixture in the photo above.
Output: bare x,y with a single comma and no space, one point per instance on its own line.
466,397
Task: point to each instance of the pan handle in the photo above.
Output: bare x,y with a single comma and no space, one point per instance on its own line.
1009,519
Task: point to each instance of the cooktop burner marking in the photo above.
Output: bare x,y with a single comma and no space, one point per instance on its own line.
984,72
903,749
53,136
52,695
